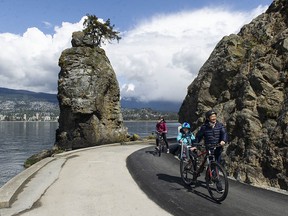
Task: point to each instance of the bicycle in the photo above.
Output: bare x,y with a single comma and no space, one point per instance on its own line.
215,173
162,145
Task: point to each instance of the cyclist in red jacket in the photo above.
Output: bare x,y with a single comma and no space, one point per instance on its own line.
161,128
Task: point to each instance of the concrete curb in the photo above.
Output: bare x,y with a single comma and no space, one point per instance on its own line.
148,141
65,154
9,191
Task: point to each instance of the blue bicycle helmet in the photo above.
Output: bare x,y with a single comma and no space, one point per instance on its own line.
186,125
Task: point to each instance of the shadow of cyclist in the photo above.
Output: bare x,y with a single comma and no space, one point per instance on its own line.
150,152
192,189
154,152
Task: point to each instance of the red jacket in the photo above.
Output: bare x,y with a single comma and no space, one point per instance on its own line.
161,127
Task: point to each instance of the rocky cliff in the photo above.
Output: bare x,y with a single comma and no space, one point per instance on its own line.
88,94
246,80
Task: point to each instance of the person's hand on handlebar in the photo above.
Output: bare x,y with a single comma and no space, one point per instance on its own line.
222,143
193,148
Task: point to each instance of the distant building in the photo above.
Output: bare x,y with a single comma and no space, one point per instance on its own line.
47,118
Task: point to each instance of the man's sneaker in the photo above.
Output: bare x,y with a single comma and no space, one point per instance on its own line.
210,182
168,151
177,157
219,187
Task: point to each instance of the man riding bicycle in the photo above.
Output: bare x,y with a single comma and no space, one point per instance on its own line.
213,132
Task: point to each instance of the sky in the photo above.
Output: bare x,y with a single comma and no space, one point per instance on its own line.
164,43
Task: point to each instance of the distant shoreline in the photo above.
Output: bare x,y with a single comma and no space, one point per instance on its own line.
167,121
29,121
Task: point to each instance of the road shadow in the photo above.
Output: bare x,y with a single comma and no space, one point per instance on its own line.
190,188
150,152
154,152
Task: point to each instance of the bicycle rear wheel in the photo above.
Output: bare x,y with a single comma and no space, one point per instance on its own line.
187,172
217,182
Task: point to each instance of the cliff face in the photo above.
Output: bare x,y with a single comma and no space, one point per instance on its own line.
246,80
88,94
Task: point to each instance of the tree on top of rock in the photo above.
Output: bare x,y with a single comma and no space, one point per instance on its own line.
98,31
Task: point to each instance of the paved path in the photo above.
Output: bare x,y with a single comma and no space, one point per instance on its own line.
90,182
160,178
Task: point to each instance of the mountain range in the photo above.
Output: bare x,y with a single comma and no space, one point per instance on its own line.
131,103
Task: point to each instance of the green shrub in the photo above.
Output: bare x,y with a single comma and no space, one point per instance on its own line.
135,137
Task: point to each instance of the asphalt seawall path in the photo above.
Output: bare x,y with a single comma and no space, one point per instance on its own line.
159,178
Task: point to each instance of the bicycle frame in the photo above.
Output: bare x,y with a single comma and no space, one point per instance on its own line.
208,157
207,154
187,149
159,136
162,144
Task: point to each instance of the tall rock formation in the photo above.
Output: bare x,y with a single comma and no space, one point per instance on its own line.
246,80
88,94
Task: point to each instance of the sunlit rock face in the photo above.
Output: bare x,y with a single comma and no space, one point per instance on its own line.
245,80
89,97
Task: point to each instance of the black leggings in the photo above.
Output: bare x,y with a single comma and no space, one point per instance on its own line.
164,138
217,154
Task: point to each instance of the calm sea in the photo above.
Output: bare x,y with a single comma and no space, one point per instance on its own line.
20,140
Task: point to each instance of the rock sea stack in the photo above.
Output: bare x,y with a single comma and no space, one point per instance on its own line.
89,97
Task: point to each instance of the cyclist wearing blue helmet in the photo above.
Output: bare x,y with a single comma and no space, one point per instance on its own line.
186,137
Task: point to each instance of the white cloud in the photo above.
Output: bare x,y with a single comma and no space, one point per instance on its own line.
156,60
47,24
30,61
162,55
129,89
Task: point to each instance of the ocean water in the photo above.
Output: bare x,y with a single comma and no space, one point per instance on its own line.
145,128
20,140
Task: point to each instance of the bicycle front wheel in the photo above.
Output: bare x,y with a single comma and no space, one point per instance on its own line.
217,182
186,171
159,150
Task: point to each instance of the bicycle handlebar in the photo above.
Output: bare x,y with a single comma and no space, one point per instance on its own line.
213,145
205,145
157,132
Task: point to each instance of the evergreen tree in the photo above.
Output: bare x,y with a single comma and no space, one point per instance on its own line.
98,31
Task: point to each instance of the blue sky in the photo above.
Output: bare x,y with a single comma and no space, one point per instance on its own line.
18,15
164,43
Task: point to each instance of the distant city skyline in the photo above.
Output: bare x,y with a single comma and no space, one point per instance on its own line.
163,46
